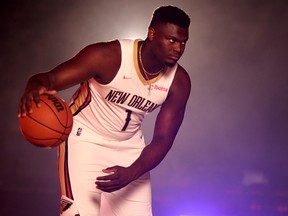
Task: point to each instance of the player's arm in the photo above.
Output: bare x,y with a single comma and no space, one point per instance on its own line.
100,61
167,125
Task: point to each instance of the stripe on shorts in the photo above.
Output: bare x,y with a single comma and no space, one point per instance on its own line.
63,170
80,99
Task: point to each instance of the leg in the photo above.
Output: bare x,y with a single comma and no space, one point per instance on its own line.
78,169
133,200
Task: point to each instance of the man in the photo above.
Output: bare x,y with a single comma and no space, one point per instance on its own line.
104,165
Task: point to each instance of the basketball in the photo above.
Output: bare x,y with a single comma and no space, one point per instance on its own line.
48,125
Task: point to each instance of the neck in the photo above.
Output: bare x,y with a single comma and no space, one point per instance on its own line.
148,65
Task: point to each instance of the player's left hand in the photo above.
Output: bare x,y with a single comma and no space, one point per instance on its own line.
117,178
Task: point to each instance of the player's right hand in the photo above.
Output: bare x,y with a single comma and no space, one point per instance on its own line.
31,94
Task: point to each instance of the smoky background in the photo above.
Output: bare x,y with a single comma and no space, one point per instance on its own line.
230,155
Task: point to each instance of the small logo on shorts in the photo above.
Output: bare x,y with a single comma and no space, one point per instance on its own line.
79,131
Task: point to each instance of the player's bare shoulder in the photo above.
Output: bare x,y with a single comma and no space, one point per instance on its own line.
105,58
181,85
103,49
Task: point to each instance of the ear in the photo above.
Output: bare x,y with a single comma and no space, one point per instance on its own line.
151,33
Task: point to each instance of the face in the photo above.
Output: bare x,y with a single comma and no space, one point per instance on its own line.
168,42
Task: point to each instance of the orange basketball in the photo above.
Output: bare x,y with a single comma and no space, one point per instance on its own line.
48,125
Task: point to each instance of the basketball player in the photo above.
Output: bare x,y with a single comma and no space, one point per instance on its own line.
104,165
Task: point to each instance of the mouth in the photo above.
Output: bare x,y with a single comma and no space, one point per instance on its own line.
172,60
174,57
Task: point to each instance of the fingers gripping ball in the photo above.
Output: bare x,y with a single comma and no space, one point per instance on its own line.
48,125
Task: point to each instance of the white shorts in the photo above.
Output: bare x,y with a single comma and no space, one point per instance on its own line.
82,159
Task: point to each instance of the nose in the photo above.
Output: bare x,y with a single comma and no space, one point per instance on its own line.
178,47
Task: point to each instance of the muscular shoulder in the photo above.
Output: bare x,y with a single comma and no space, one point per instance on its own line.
105,59
104,49
181,85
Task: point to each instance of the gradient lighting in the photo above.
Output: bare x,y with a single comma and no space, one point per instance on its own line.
230,155
202,210
194,215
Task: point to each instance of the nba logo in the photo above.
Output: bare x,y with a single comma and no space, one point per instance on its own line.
79,132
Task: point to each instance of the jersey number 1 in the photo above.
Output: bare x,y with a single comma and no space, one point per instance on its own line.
128,118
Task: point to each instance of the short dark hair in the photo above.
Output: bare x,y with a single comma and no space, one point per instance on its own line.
170,14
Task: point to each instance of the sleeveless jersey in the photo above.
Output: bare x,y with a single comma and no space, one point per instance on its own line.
115,111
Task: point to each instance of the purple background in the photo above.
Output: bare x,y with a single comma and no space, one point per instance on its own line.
230,156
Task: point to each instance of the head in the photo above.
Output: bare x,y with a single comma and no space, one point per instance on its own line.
170,14
168,34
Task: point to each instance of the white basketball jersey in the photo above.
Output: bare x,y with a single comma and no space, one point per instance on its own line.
115,110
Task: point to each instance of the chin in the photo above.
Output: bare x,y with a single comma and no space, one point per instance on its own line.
170,63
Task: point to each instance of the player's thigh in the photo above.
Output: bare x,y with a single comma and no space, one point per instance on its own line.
132,200
85,162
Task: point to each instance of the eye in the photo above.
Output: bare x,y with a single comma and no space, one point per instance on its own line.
171,40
